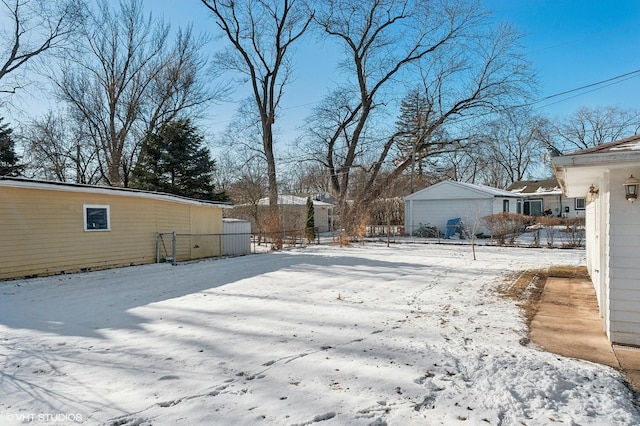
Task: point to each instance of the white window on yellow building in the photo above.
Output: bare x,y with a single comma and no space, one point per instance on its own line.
96,217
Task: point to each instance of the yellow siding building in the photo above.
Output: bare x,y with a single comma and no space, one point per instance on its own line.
51,228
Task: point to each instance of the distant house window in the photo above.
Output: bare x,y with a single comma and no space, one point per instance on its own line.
532,208
505,206
580,203
96,218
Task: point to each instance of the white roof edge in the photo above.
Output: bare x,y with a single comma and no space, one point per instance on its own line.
592,159
287,199
482,189
127,192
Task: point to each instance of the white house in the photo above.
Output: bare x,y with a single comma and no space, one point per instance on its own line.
603,175
439,203
546,196
293,211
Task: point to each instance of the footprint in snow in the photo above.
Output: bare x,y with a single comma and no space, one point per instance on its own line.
169,377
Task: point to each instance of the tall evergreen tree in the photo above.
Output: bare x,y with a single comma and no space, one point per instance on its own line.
175,160
416,139
310,226
420,138
412,125
8,158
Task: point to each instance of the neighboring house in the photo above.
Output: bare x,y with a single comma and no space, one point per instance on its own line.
52,227
293,213
545,197
439,203
602,175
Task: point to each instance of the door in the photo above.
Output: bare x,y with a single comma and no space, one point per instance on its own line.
532,207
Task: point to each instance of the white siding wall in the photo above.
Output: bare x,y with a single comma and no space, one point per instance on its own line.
558,205
498,204
237,237
321,218
603,223
593,248
624,262
597,247
438,212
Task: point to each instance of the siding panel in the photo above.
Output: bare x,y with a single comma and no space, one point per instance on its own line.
43,231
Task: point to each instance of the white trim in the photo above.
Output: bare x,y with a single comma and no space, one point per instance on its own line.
482,190
95,206
107,190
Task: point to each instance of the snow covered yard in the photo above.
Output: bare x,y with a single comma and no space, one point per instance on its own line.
411,334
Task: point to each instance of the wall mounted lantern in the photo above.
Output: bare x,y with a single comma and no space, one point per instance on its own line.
592,194
631,188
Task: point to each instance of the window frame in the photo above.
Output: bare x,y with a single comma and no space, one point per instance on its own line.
106,207
527,206
584,203
506,208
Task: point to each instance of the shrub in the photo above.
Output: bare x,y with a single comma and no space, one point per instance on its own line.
503,225
569,230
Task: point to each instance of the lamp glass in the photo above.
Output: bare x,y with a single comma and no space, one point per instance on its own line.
631,188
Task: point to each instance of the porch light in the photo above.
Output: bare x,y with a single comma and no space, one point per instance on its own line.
631,188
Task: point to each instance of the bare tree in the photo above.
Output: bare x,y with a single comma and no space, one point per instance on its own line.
306,178
261,34
243,160
248,187
511,147
125,79
56,149
34,28
462,165
590,127
467,67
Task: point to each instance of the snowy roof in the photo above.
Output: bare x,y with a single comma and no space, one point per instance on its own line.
289,200
446,190
536,187
628,144
17,182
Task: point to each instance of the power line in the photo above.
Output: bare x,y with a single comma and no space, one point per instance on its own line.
598,83
589,91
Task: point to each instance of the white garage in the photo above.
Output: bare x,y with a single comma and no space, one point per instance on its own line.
435,205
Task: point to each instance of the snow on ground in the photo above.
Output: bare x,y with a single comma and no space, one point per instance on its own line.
362,335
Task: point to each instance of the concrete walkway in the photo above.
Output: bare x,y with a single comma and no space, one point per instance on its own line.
568,323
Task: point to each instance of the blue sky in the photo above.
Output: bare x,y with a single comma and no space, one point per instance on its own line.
577,43
570,43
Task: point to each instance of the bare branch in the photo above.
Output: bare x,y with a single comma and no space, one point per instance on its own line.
124,79
37,27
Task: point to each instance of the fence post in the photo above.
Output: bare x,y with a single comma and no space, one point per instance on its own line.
174,250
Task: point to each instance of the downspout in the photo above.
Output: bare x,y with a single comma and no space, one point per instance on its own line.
561,207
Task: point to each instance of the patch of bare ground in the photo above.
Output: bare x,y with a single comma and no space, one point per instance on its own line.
526,288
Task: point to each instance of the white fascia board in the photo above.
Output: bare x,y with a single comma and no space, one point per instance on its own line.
604,159
576,173
126,192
